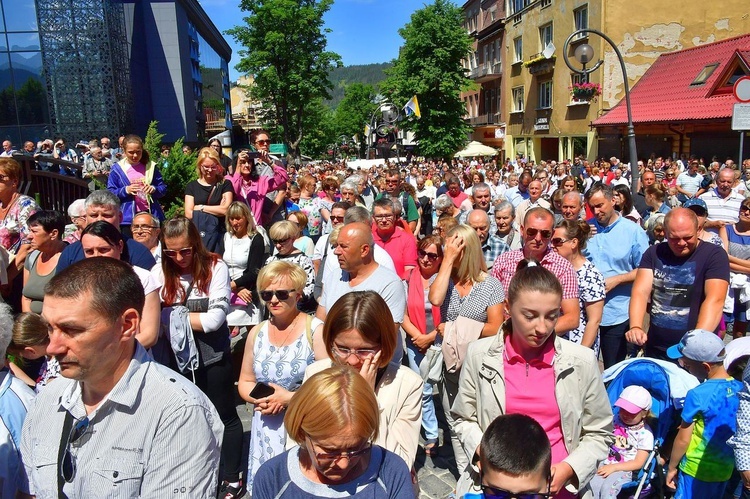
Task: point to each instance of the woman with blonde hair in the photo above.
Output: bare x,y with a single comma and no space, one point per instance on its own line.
332,417
276,354
312,206
358,332
302,243
283,234
244,254
463,288
207,199
137,183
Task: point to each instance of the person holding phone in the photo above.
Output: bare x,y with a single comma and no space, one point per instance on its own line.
276,354
256,175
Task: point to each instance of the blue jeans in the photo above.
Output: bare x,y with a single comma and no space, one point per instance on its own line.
429,417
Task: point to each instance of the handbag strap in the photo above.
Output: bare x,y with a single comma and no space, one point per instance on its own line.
210,194
187,293
67,426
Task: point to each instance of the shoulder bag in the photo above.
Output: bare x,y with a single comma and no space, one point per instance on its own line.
456,338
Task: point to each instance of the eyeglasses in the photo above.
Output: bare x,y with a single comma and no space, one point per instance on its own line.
144,228
360,353
68,464
558,241
330,458
430,256
280,241
744,208
546,234
266,142
281,294
393,182
382,217
184,252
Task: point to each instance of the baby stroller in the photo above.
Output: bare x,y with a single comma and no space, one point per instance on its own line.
654,376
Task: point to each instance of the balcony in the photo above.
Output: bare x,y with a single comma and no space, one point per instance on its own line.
540,65
487,72
483,119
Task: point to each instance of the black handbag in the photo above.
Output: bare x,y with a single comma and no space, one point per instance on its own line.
210,227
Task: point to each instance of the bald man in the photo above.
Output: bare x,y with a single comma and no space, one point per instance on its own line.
492,246
686,281
360,272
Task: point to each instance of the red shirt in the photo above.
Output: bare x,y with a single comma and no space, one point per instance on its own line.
402,248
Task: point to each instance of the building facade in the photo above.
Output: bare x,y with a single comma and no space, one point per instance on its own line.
542,119
484,21
89,68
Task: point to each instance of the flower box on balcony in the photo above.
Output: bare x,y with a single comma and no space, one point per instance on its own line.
539,64
586,91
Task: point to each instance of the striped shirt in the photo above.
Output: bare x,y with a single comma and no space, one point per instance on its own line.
154,432
723,209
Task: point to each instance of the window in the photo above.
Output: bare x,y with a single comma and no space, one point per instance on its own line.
545,94
518,99
493,13
518,48
574,79
545,36
705,74
518,5
582,19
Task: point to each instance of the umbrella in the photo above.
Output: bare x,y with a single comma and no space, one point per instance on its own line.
475,148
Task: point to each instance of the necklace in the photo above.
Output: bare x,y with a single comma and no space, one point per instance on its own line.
289,328
6,208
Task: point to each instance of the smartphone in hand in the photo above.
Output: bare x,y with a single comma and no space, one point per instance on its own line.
261,390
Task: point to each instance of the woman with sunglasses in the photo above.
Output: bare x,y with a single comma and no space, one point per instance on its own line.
527,369
283,235
464,288
211,196
276,354
104,239
253,178
312,206
420,321
569,241
198,279
738,238
333,420
358,332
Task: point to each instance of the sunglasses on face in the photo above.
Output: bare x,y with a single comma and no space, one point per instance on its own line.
266,142
558,241
335,218
281,294
546,234
280,241
184,252
430,256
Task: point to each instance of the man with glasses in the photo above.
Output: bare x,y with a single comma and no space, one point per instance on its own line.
401,245
684,282
103,205
393,190
115,419
615,249
146,230
536,230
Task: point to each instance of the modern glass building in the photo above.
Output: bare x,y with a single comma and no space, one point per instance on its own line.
88,68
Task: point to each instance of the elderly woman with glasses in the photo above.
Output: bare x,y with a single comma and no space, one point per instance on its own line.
255,177
199,280
283,236
333,419
358,332
276,354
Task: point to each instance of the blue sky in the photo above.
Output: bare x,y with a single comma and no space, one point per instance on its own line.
362,31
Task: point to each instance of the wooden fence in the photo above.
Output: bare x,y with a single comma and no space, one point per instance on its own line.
52,190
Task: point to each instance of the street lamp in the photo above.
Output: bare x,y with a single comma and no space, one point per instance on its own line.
389,114
584,54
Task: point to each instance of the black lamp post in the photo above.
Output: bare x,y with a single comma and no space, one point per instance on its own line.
584,54
389,115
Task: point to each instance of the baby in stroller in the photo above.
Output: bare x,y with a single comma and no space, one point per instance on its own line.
634,440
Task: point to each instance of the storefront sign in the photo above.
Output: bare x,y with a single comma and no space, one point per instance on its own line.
542,124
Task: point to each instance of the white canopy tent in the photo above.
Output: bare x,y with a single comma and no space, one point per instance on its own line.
475,148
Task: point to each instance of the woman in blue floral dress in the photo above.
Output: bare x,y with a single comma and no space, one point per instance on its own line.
276,353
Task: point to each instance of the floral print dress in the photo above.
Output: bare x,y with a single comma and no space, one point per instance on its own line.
311,207
13,228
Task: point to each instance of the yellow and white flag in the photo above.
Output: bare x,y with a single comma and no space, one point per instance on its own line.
412,107
367,130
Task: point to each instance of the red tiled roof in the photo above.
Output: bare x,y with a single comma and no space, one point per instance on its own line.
664,92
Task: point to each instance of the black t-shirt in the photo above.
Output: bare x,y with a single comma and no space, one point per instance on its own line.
200,192
678,289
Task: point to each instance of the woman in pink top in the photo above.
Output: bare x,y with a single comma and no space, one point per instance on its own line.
528,369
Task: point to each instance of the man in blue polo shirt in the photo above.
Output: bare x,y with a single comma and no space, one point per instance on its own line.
616,250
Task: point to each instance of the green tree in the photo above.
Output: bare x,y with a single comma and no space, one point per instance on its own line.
152,142
429,66
321,131
286,53
177,169
354,111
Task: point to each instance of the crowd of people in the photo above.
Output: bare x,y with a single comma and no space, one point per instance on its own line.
358,295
